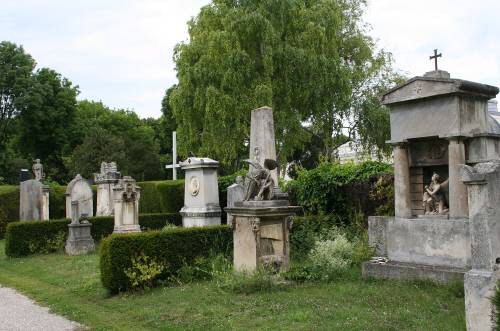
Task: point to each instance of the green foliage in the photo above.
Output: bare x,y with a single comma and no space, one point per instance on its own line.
51,245
15,79
175,248
383,192
286,54
332,256
25,238
334,188
144,272
496,303
248,283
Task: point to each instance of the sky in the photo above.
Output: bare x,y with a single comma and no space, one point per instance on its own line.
120,51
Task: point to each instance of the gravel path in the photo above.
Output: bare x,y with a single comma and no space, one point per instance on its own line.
18,312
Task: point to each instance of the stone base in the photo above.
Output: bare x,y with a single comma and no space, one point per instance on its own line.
191,221
79,239
127,228
408,271
479,288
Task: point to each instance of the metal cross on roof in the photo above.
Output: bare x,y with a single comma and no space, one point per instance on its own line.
435,57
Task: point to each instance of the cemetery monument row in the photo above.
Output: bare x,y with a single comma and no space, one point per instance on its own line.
34,196
261,220
201,193
446,164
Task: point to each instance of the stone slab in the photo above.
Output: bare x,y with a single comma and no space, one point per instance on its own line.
409,271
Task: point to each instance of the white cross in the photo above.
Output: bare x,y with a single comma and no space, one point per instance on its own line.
174,164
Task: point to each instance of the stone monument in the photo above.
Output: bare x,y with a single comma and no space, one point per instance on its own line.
260,224
105,181
484,226
235,193
79,240
437,124
126,201
79,190
34,196
201,193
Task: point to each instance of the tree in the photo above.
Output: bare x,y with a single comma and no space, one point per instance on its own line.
16,69
47,120
311,60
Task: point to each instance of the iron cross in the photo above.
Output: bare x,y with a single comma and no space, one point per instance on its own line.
435,57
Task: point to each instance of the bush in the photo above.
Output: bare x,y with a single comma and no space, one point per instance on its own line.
340,189
332,256
144,272
496,303
25,238
174,247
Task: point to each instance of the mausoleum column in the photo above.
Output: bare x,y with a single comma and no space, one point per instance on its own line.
457,190
402,181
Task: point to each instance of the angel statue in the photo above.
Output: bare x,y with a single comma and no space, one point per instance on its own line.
434,199
259,182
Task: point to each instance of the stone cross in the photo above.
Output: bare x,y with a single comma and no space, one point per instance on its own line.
174,164
435,58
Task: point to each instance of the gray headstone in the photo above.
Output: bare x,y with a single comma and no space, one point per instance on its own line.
235,193
79,190
262,141
31,200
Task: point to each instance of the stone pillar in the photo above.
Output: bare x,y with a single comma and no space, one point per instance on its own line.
402,181
105,181
126,205
457,190
262,141
484,224
45,203
201,193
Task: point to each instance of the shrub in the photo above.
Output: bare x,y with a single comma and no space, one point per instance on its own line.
332,256
334,188
496,303
175,248
247,283
144,272
25,238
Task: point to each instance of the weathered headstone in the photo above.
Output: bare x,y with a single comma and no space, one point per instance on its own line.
201,193
79,190
262,141
105,181
484,214
437,124
33,201
79,240
126,201
235,193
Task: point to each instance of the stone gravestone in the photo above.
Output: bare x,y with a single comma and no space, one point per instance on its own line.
105,181
201,193
262,141
34,196
484,214
126,201
79,190
79,240
437,124
235,193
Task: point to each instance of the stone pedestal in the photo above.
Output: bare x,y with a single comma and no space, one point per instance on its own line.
105,181
201,193
126,205
402,181
484,214
79,240
33,201
80,191
261,234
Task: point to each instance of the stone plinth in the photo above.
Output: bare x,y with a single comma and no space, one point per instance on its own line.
79,240
201,193
33,201
126,205
484,214
414,246
80,191
261,234
105,181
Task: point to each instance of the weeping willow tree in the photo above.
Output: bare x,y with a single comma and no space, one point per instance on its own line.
312,61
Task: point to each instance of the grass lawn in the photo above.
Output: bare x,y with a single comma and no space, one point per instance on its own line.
70,286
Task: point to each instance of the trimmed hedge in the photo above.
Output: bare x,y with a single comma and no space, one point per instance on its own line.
22,238
173,247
